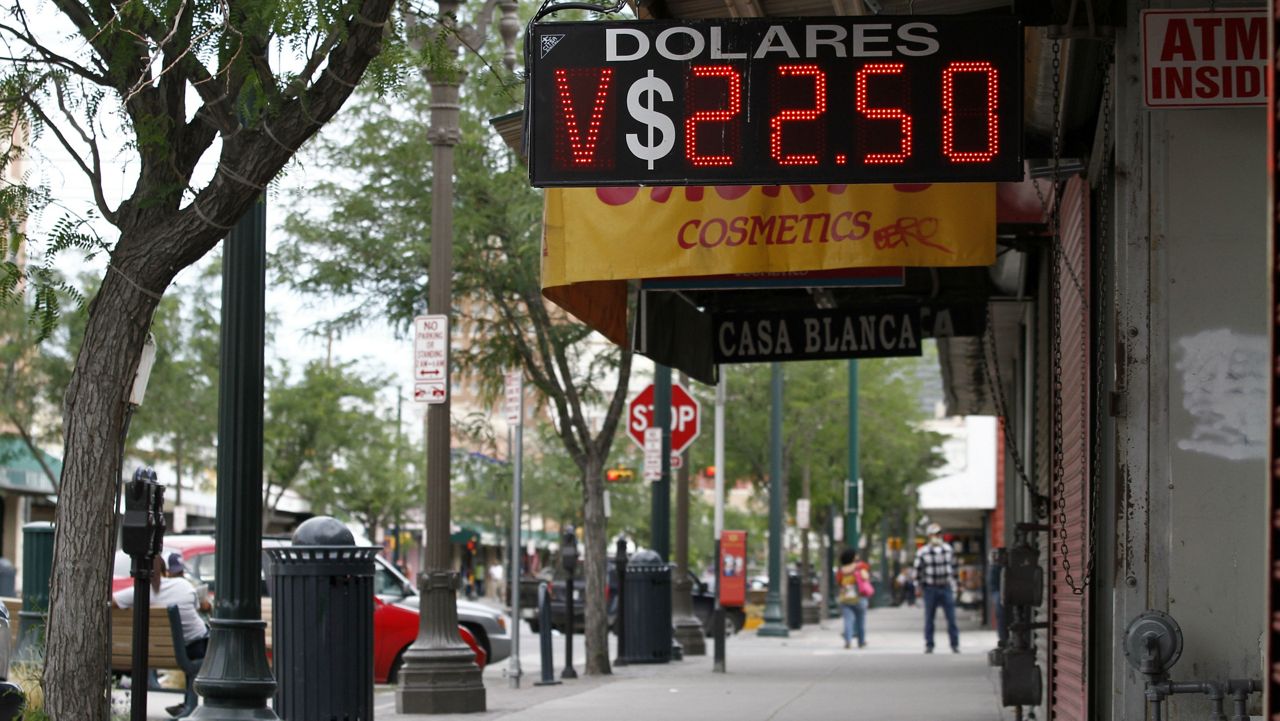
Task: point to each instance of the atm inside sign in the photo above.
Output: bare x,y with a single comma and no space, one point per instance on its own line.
1204,58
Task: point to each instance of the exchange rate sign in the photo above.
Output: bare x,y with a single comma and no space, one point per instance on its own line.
766,101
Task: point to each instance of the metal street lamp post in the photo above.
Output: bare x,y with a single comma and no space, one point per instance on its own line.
439,673
773,625
235,678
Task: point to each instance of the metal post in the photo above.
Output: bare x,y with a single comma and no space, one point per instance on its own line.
513,578
852,528
773,625
884,594
717,619
569,671
544,637
439,673
139,683
621,570
833,609
660,516
685,625
235,678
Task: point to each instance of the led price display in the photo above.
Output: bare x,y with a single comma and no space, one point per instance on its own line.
872,99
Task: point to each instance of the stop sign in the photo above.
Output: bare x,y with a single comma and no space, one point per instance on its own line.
685,417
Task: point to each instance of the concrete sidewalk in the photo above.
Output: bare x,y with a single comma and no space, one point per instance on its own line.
807,676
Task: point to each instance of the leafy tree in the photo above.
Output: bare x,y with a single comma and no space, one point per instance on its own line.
369,483
894,455
25,372
179,416
310,423
381,221
180,83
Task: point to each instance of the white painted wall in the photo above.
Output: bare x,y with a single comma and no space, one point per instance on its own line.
1215,185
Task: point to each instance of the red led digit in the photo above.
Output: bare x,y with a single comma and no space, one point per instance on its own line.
712,116
949,112
582,146
797,115
898,114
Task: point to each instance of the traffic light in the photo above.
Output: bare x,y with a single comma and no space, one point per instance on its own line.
619,475
471,545
709,472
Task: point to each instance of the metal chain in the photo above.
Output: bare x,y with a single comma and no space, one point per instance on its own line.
1055,231
1040,502
1099,367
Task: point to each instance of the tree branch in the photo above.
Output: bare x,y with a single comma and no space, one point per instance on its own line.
93,174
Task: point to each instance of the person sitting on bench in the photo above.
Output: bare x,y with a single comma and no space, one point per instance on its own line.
169,588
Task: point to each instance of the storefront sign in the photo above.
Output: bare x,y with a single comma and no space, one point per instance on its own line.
815,335
1204,58
768,100
733,568
593,234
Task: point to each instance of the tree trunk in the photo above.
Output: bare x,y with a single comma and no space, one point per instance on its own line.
75,678
596,553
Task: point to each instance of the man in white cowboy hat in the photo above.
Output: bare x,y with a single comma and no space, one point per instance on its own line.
936,571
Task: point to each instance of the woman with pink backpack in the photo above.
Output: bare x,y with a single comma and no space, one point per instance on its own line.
854,582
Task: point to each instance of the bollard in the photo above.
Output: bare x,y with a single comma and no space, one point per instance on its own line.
794,617
544,637
620,566
717,619
37,567
569,559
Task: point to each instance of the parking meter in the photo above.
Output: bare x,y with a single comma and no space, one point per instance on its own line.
569,550
143,525
142,537
569,559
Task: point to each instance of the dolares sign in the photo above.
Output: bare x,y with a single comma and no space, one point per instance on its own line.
766,101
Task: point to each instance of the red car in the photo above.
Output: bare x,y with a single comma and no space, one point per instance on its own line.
394,627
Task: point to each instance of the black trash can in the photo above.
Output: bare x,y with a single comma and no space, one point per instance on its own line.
322,624
795,617
646,609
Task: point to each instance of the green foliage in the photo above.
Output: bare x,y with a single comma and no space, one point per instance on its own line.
177,424
317,425
894,455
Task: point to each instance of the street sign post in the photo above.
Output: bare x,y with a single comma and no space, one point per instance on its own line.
802,513
652,454
431,359
513,397
686,419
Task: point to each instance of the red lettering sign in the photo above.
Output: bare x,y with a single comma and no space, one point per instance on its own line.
1204,58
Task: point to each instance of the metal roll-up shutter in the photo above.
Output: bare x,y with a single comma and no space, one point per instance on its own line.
1068,633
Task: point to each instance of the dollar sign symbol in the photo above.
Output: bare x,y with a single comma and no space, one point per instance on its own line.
640,104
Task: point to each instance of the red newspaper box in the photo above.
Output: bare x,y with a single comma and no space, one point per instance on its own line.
733,568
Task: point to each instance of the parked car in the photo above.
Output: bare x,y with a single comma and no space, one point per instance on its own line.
395,617
559,599
703,602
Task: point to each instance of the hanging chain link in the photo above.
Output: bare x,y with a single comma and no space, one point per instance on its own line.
1055,233
1097,408
1103,300
1040,502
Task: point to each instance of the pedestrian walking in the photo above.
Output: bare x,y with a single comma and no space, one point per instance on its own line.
854,581
909,586
935,567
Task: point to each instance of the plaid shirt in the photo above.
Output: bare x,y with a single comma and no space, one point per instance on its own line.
936,565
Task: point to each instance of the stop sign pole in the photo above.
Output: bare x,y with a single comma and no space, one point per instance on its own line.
660,514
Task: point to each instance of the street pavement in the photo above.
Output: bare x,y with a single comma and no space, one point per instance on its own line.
809,675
